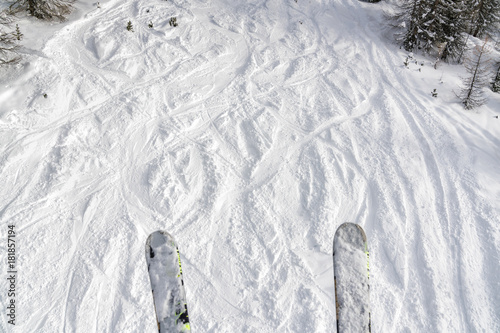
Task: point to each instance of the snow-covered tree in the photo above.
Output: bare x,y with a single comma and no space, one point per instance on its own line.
43,9
407,17
496,81
440,27
422,22
485,17
477,65
8,42
454,25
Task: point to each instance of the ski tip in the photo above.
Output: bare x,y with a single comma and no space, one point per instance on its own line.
158,238
350,231
351,226
159,235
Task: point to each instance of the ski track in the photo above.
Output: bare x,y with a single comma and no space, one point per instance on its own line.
249,134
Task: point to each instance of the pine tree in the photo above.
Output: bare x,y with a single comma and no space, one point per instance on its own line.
472,94
408,15
18,33
129,26
485,17
421,20
433,26
454,27
496,81
431,29
8,42
43,9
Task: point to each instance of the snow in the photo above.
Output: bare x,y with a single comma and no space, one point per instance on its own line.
250,132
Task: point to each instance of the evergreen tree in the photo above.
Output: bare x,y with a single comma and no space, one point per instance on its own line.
434,26
129,26
422,22
43,9
18,33
485,17
454,27
8,42
496,81
431,31
407,16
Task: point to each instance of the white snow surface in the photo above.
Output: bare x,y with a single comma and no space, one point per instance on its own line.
250,132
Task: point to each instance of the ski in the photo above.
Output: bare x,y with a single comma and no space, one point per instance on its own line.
167,285
351,278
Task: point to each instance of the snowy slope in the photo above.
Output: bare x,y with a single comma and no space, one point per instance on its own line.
250,132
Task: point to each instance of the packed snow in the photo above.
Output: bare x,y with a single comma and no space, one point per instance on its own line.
249,132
